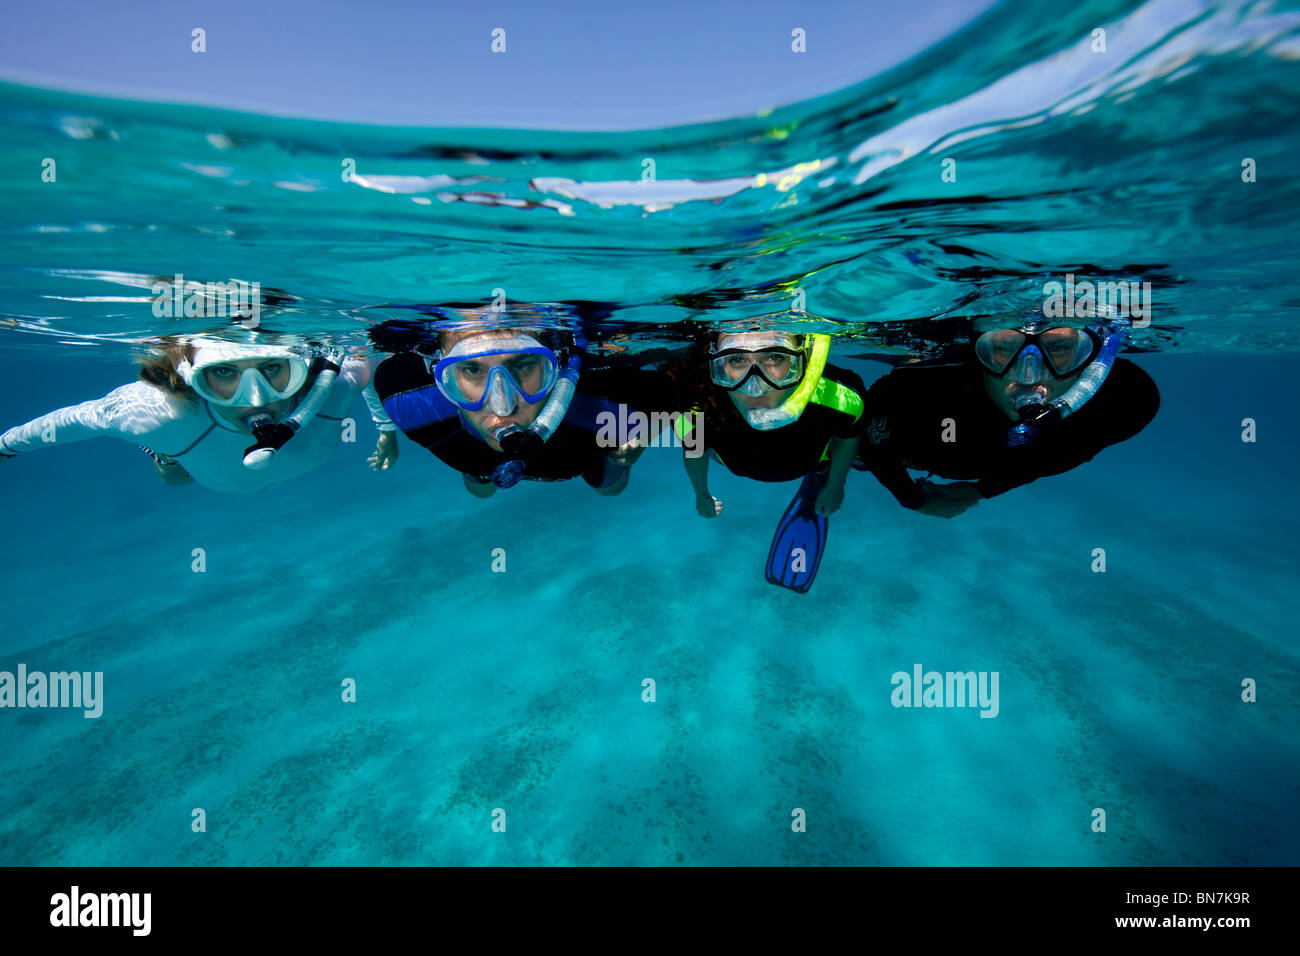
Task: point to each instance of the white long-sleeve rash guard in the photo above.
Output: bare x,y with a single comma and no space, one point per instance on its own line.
206,445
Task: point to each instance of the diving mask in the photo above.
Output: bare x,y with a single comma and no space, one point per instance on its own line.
280,372
496,371
1031,357
754,363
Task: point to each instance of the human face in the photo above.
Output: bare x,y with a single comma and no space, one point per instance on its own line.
223,380
761,361
1019,366
472,377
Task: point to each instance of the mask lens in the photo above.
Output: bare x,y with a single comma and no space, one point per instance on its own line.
276,374
468,380
779,368
996,350
1063,350
221,381
498,377
1067,350
529,372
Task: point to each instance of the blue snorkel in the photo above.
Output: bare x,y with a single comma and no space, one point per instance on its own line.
1034,415
520,444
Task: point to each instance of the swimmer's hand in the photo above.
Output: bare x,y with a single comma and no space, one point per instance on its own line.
830,499
627,455
950,500
385,453
707,506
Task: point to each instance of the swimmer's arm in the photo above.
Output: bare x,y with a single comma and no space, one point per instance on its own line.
385,453
843,451
116,415
697,470
892,473
377,413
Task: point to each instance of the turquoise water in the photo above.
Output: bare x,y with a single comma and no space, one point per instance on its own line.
523,690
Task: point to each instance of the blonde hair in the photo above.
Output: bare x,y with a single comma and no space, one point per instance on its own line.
159,368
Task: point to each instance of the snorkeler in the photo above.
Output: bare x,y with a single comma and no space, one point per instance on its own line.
1035,400
501,405
229,416
775,411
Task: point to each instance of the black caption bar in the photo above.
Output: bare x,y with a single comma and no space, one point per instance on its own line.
333,905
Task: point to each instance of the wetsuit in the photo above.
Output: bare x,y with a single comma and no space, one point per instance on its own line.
411,397
903,427
211,449
792,451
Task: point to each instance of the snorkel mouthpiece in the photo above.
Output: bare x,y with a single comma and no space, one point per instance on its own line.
270,436
520,444
1030,409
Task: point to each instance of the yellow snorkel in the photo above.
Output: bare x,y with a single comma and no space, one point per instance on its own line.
788,412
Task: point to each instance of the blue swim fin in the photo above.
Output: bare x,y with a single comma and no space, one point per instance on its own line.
800,538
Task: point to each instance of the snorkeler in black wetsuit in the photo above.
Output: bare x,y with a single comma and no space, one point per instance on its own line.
959,420
771,409
747,425
500,406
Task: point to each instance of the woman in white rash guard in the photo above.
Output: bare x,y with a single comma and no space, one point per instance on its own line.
198,401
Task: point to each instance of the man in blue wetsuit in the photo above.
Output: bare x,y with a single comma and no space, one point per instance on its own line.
501,405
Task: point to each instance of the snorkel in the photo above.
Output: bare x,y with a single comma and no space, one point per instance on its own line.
1034,415
788,412
520,444
270,435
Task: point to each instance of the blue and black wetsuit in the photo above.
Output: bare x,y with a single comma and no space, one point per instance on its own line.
903,426
413,401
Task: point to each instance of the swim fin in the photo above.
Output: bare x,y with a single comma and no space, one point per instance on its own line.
800,538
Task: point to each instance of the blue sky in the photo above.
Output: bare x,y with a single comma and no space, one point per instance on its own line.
577,64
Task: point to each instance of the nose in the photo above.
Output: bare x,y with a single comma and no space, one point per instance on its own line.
257,395
500,399
1029,367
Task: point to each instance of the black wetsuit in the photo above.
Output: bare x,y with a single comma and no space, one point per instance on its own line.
792,451
903,427
413,401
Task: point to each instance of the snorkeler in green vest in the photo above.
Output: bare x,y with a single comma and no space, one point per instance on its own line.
774,410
